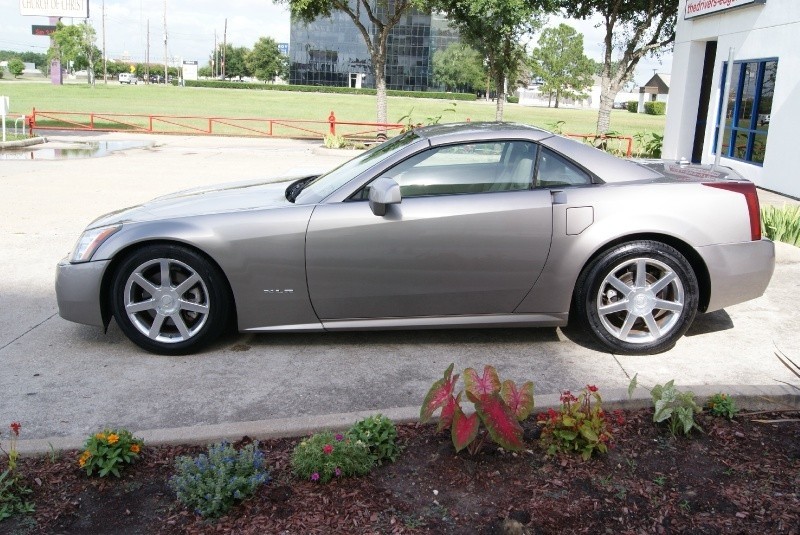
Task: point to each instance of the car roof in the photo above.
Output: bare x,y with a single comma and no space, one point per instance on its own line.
606,167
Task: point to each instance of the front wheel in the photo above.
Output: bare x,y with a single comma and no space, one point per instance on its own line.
169,299
638,298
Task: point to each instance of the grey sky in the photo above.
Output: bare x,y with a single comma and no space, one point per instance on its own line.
191,26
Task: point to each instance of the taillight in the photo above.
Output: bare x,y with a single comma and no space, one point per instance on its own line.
748,189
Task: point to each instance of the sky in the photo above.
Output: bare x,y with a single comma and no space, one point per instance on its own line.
192,25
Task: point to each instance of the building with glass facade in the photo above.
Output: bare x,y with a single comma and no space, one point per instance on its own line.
331,51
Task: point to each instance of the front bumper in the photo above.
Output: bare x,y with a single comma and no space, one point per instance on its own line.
78,291
738,272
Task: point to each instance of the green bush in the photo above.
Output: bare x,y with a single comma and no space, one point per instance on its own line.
211,484
513,100
655,108
327,89
109,451
722,405
379,434
782,224
633,106
324,456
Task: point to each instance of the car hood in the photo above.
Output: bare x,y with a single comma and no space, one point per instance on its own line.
221,198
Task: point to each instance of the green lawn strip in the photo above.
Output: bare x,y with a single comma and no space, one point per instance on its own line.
244,103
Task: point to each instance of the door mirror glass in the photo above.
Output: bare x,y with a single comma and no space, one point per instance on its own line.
383,192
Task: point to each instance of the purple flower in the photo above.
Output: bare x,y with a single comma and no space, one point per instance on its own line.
338,471
315,476
339,437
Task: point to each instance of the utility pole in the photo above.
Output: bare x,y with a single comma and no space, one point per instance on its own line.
215,59
166,70
224,47
105,61
147,56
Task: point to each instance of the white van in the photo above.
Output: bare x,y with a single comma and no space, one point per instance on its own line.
128,78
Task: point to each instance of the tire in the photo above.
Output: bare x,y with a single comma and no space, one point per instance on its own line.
188,315
637,298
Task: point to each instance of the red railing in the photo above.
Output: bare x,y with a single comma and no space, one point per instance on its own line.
192,124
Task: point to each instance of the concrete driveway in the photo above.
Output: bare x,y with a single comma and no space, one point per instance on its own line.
61,379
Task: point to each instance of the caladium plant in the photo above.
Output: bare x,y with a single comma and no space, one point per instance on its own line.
498,406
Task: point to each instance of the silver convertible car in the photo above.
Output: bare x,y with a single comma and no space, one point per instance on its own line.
470,225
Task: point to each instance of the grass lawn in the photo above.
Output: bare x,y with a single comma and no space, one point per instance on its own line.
170,100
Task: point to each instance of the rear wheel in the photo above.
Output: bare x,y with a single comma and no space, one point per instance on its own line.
169,299
638,298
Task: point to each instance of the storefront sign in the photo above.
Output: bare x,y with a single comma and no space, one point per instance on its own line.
696,8
55,8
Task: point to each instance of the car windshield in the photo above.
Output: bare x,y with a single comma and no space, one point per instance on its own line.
321,187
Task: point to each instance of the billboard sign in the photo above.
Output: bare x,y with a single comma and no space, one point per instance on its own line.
38,29
697,8
55,8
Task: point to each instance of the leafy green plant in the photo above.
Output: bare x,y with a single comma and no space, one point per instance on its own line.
782,224
655,108
632,106
210,484
409,124
499,407
334,141
12,488
379,434
109,451
722,405
326,455
654,145
580,426
672,406
557,127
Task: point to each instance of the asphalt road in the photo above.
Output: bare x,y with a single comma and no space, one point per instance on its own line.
62,379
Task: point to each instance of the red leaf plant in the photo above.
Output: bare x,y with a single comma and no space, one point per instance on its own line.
499,407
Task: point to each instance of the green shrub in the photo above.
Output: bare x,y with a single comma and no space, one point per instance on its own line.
633,106
12,496
333,141
324,456
722,405
581,426
655,108
379,434
513,100
782,224
328,89
211,484
675,407
109,451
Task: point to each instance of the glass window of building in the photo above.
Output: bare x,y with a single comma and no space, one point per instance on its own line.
746,124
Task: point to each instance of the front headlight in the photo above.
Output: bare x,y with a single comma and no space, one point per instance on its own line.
89,241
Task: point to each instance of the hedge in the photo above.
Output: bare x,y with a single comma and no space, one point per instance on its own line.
655,108
633,106
328,89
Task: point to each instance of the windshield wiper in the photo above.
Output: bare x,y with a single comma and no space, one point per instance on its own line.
296,187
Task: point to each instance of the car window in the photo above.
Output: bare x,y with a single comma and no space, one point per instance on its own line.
466,168
554,170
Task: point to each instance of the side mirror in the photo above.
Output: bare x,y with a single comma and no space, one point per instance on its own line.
383,192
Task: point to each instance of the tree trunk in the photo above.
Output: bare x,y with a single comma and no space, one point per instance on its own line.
558,97
608,91
500,80
380,93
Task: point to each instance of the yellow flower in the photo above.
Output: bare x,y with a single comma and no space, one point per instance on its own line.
112,438
135,448
85,456
100,436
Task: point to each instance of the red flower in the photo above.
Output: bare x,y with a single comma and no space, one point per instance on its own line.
620,417
327,449
553,415
15,427
591,388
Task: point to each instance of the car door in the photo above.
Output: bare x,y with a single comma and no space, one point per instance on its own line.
470,237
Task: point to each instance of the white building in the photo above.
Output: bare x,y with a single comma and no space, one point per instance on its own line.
760,127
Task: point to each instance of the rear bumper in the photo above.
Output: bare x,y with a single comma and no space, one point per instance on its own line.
78,291
738,272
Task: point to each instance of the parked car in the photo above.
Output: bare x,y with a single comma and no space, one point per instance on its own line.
620,105
471,225
128,78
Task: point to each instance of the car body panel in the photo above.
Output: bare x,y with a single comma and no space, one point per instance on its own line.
456,254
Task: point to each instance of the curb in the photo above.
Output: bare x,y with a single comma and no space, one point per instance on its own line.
20,143
753,398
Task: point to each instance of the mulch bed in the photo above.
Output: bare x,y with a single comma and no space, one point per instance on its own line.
739,476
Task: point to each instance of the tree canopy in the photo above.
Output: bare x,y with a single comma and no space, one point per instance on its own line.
76,44
496,28
459,67
15,67
560,62
265,61
634,28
